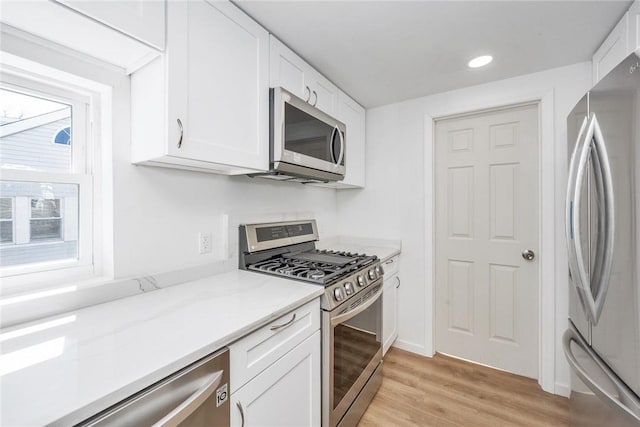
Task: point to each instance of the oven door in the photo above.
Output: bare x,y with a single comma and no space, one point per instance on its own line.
352,351
304,136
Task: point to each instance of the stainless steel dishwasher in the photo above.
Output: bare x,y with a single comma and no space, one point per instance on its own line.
195,396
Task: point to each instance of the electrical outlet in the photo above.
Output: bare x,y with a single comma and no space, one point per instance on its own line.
204,239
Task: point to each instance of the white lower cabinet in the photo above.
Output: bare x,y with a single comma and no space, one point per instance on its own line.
390,311
287,393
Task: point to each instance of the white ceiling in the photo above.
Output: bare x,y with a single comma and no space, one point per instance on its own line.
381,52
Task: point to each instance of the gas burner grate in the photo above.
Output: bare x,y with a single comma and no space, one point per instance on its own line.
322,267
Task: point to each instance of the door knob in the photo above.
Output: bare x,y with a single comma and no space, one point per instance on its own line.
529,255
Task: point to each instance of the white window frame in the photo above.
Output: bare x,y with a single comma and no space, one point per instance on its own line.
13,222
85,164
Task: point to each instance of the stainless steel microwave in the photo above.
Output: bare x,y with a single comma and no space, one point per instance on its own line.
306,144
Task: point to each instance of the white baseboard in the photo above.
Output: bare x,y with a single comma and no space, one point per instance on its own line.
412,347
562,389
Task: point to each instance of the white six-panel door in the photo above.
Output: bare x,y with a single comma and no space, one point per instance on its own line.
486,215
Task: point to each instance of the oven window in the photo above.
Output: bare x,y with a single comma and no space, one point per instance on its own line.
307,135
356,343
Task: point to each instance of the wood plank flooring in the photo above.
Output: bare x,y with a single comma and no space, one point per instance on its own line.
443,391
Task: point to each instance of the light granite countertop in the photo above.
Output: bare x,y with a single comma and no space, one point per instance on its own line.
383,249
64,369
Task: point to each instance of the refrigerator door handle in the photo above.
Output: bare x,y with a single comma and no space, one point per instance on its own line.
572,183
627,402
606,218
592,297
577,168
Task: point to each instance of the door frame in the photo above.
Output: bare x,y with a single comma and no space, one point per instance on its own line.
548,202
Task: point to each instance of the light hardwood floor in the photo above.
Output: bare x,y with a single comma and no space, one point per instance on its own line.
443,391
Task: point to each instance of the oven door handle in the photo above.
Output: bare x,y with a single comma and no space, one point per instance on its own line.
359,309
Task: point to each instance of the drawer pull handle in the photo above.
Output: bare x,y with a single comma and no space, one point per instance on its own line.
284,325
391,261
239,405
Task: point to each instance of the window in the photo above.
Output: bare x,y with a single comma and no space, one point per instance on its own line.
6,220
46,188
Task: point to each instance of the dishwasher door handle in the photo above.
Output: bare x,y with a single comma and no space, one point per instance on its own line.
193,402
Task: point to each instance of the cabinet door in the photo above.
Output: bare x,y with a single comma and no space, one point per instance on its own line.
291,72
324,94
218,82
285,394
390,312
287,70
353,115
141,19
614,49
634,26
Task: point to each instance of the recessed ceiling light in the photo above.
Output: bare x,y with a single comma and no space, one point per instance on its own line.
480,61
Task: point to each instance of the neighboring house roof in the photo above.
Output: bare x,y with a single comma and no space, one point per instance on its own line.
7,129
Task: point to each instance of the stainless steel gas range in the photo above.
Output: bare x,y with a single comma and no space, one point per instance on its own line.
351,309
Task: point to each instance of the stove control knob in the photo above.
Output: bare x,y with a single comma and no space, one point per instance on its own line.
338,294
379,271
349,288
372,274
361,281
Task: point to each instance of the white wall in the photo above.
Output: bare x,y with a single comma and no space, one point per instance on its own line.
397,202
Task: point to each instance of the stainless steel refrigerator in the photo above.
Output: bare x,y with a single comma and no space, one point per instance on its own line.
602,343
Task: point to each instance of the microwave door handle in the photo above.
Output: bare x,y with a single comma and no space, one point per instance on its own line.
333,142
341,146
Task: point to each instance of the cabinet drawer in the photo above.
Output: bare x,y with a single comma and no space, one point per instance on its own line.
287,393
391,267
255,352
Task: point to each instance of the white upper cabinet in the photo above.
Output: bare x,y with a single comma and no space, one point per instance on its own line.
204,105
291,72
614,49
64,26
353,116
623,40
634,26
141,19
